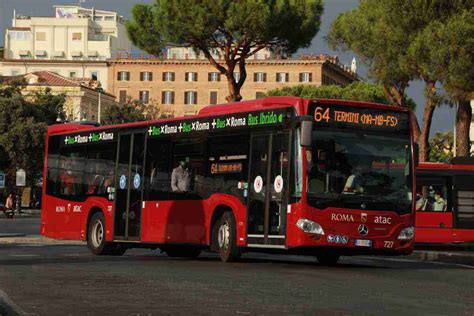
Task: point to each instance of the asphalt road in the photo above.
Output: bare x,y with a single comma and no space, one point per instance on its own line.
40,278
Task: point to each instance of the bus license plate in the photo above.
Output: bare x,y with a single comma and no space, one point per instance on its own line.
363,243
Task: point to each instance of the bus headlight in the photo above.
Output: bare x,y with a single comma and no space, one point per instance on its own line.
309,227
407,233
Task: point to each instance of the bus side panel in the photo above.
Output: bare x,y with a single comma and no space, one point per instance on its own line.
240,214
47,218
434,227
188,221
173,222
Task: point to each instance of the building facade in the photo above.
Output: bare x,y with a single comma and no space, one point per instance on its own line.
75,42
83,100
182,86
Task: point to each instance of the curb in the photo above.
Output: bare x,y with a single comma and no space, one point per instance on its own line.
11,235
435,255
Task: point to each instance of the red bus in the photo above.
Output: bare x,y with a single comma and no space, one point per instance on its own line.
280,174
445,202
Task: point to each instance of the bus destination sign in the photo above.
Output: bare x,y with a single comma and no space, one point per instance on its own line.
339,116
274,117
89,138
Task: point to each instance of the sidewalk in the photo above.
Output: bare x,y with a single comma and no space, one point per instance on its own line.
25,213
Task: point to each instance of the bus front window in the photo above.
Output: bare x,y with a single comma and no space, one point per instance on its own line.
359,171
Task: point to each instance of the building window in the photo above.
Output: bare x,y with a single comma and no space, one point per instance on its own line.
94,75
167,97
77,36
213,97
214,76
15,72
72,74
259,95
41,36
122,96
306,77
144,96
19,35
259,77
191,76
190,97
146,76
282,77
168,76
123,76
236,76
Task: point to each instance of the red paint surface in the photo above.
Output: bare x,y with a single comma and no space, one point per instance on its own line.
190,221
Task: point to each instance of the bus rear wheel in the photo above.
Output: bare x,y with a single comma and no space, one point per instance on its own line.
96,238
328,259
226,238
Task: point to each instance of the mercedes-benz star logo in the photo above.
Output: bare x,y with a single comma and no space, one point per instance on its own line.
363,230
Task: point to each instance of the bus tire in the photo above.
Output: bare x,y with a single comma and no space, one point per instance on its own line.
227,239
182,251
96,236
328,259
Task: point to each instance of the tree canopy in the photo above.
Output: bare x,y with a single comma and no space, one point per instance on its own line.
359,91
226,32
401,41
23,123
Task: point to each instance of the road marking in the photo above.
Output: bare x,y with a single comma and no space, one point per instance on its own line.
23,255
12,304
419,261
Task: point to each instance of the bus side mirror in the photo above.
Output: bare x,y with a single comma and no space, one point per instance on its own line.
306,128
416,154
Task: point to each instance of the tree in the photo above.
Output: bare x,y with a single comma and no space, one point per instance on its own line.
233,30
392,37
442,148
23,123
131,111
455,54
359,91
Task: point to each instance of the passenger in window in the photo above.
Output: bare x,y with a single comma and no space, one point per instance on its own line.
67,183
96,184
439,205
181,177
421,202
109,180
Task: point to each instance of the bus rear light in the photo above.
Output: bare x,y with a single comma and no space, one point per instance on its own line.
407,233
310,227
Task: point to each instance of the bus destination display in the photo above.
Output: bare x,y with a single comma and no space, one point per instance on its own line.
238,120
362,118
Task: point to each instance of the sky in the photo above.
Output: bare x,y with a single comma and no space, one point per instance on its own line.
443,118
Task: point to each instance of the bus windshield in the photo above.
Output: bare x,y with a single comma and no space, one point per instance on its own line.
357,170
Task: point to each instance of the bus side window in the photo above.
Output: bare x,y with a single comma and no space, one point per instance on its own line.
188,166
432,196
71,173
52,178
227,165
100,167
157,169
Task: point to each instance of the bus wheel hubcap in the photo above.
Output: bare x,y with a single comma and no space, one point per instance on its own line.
97,234
223,236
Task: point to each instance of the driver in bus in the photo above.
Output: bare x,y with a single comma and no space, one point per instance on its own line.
354,183
181,177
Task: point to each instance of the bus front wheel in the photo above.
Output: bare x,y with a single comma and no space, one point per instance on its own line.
96,238
226,238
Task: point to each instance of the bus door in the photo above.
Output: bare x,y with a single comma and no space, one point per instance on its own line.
463,202
268,182
129,183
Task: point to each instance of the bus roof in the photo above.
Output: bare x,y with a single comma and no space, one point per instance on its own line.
299,104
